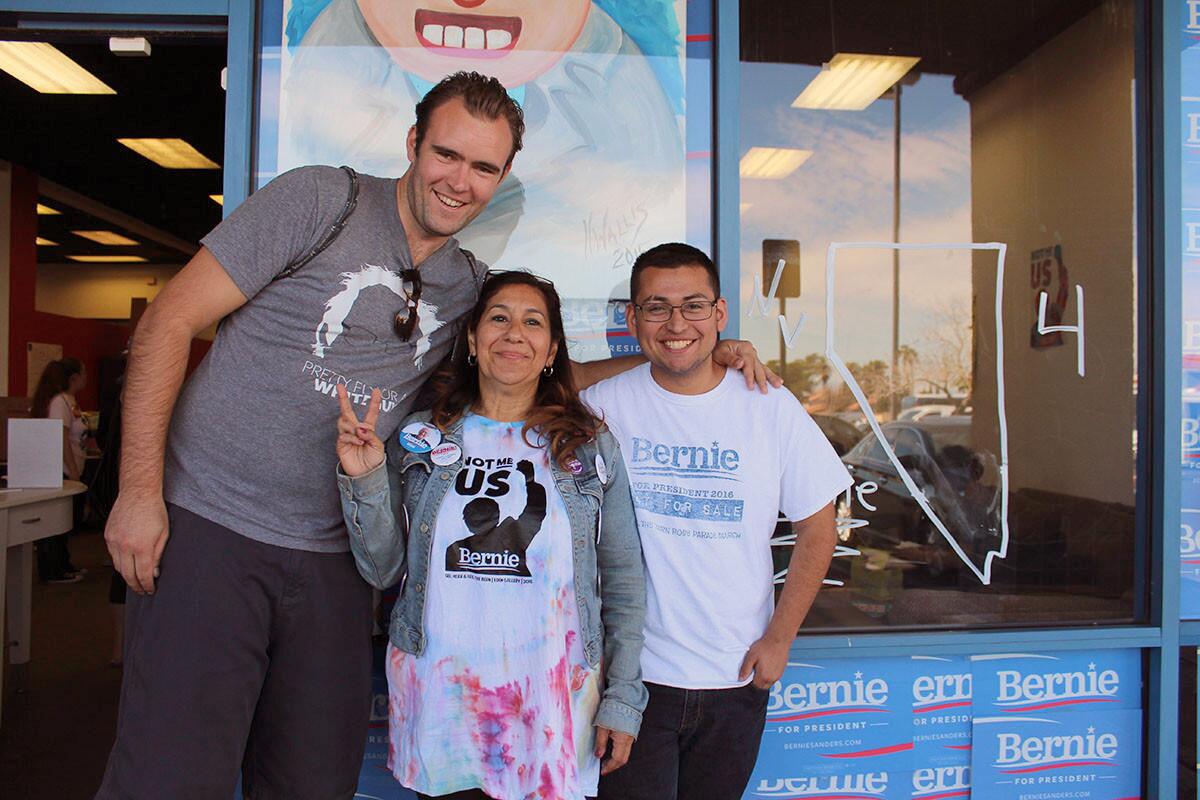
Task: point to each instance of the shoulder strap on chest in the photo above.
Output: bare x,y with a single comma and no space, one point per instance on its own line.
332,232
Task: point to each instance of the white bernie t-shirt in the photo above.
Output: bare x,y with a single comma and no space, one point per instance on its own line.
710,474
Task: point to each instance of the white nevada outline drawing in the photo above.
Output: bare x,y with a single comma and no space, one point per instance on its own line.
760,304
985,573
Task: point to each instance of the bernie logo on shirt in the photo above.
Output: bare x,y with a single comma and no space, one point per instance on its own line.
496,547
647,457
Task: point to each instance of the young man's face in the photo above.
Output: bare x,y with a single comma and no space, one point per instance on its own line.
677,348
460,163
517,40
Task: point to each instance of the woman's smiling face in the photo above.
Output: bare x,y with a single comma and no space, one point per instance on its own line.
513,40
512,340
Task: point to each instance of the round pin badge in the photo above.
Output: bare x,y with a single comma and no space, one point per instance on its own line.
601,469
575,465
420,437
445,454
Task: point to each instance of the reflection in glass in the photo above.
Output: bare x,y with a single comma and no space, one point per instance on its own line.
994,476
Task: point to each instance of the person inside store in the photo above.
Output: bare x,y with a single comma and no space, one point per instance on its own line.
247,639
712,467
520,561
56,397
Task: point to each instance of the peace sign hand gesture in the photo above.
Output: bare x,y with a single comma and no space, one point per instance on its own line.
358,448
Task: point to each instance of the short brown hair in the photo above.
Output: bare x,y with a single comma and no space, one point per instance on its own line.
669,256
484,97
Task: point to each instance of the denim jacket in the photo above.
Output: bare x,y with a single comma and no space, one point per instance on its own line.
391,513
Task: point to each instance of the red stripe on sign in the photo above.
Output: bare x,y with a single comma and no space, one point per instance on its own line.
1041,706
1065,765
940,707
964,793
882,751
699,37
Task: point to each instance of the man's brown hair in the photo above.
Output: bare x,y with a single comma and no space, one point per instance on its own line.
484,96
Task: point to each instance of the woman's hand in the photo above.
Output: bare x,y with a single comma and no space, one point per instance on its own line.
622,743
358,448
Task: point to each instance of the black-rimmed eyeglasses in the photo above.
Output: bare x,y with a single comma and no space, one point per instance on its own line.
692,310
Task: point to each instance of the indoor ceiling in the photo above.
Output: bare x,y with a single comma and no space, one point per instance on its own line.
71,140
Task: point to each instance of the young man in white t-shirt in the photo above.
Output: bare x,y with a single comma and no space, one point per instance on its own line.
711,466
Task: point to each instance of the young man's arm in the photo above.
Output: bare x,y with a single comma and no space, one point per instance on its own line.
816,537
733,353
198,296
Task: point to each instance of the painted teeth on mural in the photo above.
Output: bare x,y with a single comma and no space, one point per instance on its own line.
454,36
498,39
433,33
473,39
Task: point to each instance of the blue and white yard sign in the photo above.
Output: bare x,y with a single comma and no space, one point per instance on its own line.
941,710
1092,755
1040,683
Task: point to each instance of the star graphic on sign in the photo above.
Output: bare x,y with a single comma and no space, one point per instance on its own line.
1092,665
858,674
1091,728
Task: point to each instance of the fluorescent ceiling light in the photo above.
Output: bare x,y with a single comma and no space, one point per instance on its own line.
46,242
44,210
219,199
772,162
46,69
852,81
129,45
105,237
107,259
170,153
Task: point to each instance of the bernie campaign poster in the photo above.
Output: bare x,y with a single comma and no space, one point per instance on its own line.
1040,683
1189,550
838,717
1083,755
941,710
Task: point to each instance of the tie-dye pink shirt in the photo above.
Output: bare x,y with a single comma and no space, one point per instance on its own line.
503,698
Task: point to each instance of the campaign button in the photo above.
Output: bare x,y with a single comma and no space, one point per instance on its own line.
420,437
601,469
575,465
445,454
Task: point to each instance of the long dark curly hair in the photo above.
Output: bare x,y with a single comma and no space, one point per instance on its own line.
558,416
56,377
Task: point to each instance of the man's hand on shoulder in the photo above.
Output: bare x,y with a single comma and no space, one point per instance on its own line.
741,355
766,659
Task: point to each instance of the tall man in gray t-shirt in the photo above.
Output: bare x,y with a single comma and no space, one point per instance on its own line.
250,651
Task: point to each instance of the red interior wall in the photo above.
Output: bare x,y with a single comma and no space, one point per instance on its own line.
85,339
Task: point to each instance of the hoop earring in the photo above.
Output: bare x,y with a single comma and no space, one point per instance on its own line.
471,360
548,371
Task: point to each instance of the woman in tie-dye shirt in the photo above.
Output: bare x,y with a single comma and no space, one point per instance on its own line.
513,665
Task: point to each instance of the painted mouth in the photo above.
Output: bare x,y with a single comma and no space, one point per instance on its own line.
473,35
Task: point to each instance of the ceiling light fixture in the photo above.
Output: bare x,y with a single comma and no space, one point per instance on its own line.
46,242
219,199
45,210
105,237
46,69
772,162
852,81
170,153
107,259
129,46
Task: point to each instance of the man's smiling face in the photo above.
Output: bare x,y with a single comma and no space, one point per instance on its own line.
455,172
513,40
679,350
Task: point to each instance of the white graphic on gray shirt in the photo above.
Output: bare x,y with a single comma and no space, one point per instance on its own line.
338,308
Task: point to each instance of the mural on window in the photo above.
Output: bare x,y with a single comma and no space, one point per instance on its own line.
607,88
937,223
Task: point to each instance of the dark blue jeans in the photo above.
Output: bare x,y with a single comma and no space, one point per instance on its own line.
695,744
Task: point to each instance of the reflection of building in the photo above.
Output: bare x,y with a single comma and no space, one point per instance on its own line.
1043,126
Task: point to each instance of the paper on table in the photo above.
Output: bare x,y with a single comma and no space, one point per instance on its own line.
35,454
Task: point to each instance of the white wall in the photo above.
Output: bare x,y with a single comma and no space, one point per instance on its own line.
1052,164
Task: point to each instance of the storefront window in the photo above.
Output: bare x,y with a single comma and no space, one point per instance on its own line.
617,102
1189,90
952,195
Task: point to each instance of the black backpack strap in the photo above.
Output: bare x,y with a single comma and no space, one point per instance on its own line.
332,232
473,264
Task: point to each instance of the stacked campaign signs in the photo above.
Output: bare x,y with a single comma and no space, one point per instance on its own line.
1045,726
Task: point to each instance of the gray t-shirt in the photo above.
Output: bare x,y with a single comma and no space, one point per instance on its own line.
251,444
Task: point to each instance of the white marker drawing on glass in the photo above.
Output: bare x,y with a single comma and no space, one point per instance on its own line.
759,303
1077,328
982,571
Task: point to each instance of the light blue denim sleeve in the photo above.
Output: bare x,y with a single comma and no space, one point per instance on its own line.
377,522
622,600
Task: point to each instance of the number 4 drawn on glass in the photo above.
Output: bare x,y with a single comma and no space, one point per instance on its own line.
1077,328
